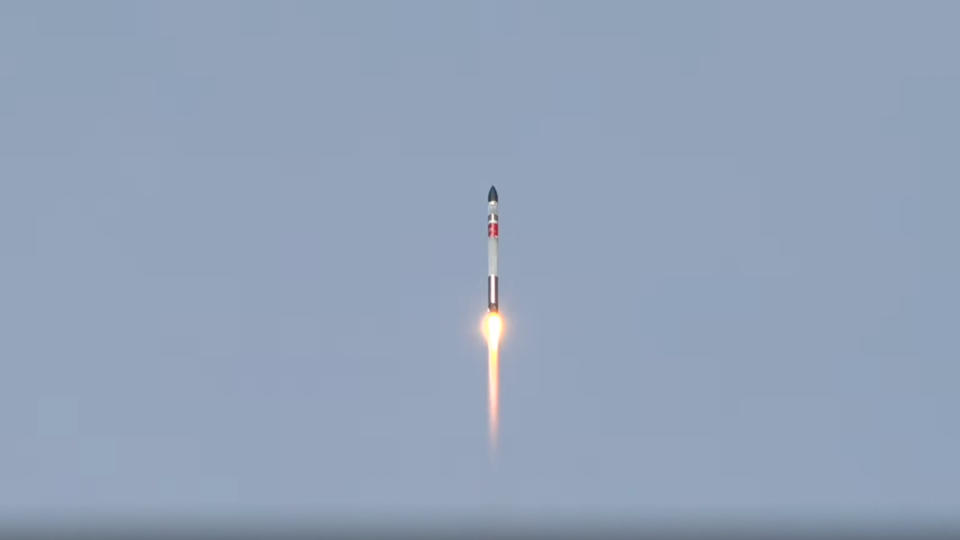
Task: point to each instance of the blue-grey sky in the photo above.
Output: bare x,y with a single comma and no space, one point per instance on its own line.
243,256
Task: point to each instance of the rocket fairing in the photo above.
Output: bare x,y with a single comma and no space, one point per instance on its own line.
493,252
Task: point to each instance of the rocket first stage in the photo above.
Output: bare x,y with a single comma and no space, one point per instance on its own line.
493,252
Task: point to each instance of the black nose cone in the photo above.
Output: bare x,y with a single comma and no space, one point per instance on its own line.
492,196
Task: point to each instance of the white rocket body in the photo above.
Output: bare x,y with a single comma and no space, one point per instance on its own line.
493,252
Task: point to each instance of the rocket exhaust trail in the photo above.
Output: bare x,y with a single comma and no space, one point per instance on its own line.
493,389
493,328
493,324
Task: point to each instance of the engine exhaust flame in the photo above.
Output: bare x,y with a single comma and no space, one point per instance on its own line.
493,329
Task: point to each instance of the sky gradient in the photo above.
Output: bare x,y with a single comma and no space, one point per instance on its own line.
243,257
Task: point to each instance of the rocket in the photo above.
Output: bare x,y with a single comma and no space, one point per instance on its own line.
493,252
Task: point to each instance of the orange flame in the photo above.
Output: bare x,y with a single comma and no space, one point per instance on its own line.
493,330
